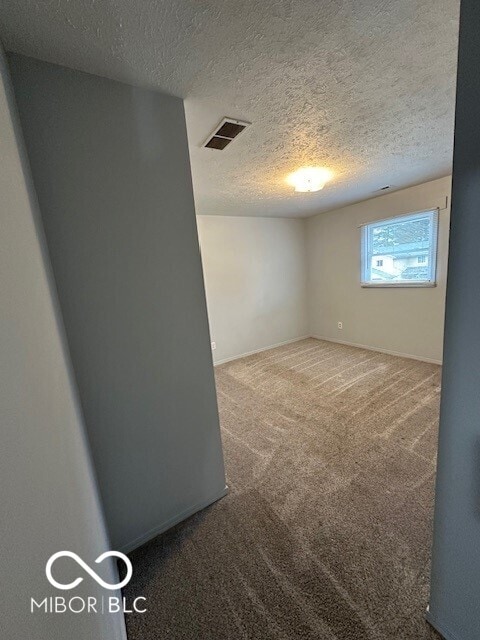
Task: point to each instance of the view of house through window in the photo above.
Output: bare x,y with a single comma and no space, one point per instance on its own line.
400,251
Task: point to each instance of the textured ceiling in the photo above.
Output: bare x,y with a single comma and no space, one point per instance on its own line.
363,87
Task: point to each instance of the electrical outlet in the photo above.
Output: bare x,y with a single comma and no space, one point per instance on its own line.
340,325
214,346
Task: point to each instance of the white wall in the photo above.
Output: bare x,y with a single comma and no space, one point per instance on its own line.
255,278
47,495
270,280
111,171
407,321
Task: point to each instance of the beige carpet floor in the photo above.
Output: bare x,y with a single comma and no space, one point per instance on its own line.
326,532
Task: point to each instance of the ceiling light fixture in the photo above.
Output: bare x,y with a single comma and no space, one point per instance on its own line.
309,179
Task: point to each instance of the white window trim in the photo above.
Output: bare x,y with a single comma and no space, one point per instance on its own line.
364,253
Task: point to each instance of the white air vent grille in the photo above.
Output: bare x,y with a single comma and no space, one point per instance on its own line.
224,133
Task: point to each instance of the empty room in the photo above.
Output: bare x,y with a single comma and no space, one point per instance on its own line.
238,336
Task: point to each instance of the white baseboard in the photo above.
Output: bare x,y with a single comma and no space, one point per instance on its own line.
250,353
387,351
171,522
442,630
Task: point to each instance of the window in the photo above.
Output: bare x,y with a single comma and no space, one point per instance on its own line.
400,251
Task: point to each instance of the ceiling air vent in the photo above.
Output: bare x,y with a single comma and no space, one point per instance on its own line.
224,133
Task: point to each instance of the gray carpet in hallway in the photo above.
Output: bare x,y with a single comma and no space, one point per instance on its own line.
326,532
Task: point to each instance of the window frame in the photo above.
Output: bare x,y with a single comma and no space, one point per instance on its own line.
366,254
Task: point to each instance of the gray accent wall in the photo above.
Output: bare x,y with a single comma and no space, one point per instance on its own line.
455,586
48,496
111,169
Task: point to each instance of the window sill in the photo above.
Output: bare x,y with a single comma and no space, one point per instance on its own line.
397,285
